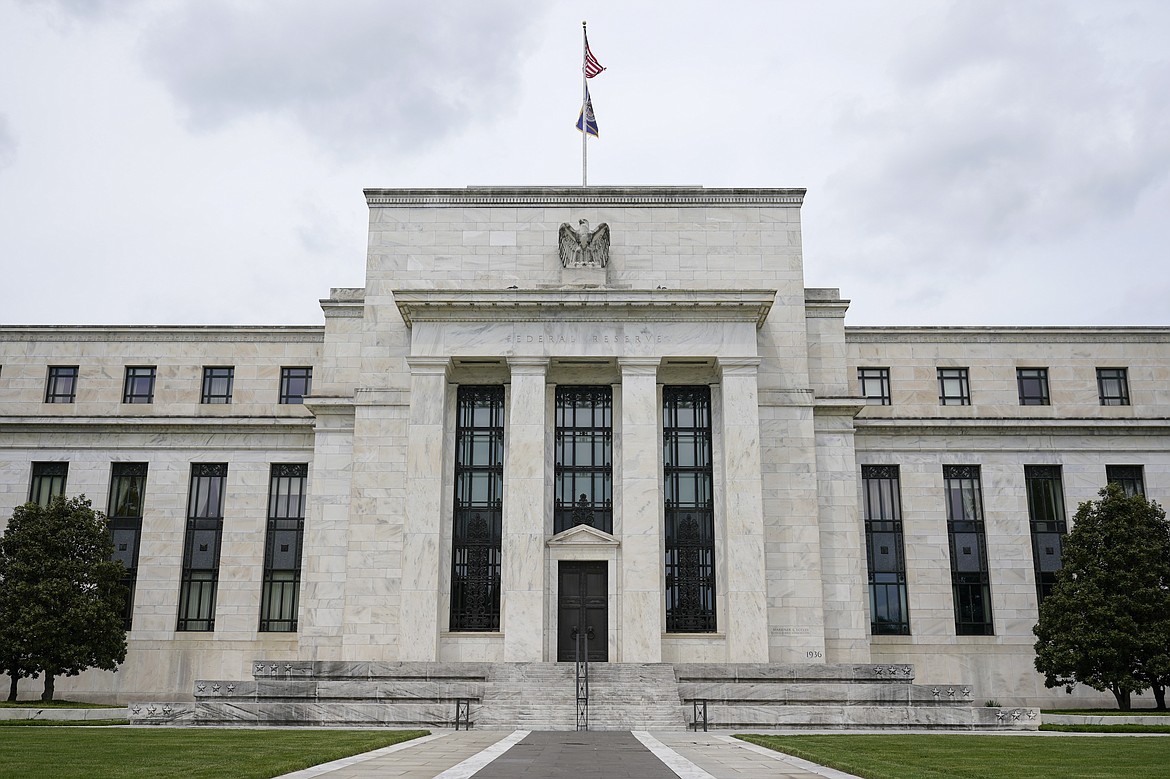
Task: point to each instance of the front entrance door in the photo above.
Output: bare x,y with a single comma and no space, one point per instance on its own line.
583,604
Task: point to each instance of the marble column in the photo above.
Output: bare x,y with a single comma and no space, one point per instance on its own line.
640,571
743,514
423,510
522,544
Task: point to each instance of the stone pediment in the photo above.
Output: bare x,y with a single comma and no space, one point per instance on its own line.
583,535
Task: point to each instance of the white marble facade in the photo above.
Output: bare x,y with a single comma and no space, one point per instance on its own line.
703,287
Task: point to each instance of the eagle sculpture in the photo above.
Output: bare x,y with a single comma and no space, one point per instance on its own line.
584,248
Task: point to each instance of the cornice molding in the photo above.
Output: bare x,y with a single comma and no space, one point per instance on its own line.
162,333
968,335
158,424
1085,426
537,197
568,305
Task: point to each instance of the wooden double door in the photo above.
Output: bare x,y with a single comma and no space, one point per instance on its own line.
583,610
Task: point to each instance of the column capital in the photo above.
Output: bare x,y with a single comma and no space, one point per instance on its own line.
739,366
429,366
639,366
530,366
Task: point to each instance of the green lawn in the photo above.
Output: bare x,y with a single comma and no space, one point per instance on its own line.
980,757
191,753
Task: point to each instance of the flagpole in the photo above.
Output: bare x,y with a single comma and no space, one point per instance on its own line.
584,105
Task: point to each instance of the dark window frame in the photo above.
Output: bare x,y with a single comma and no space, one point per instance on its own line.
284,541
293,378
132,386
1032,385
583,457
866,377
477,517
213,392
1131,478
61,384
124,512
1046,522
882,506
946,379
204,536
1113,386
47,480
689,510
967,539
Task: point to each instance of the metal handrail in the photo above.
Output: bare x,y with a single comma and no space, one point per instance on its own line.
700,713
582,658
463,713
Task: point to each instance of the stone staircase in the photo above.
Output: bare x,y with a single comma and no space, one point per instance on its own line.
623,696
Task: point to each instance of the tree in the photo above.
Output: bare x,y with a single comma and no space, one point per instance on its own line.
60,593
1107,622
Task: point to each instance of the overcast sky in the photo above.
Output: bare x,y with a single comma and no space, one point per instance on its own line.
202,161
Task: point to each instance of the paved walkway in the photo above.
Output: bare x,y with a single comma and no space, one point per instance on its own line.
586,755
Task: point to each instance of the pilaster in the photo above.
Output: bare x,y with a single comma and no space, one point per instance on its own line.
522,596
640,563
743,513
421,566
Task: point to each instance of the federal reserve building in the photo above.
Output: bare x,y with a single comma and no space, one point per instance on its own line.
561,424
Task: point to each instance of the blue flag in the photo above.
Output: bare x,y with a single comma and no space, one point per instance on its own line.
586,121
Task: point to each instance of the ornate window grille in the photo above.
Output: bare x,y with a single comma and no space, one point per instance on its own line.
889,612
48,481
1046,519
1129,477
689,510
201,544
127,492
282,547
583,472
970,580
479,478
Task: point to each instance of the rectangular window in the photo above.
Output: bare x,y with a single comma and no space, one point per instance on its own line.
217,385
1129,477
953,387
124,512
478,520
970,580
1046,518
295,383
282,547
61,386
1033,386
139,385
889,613
689,515
875,385
201,546
583,471
1113,386
48,481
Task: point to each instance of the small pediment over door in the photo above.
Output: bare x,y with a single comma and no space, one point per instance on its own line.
583,536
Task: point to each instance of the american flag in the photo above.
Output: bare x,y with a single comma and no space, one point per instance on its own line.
592,66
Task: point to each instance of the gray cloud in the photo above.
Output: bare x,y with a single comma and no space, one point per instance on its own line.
1012,124
7,143
386,74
